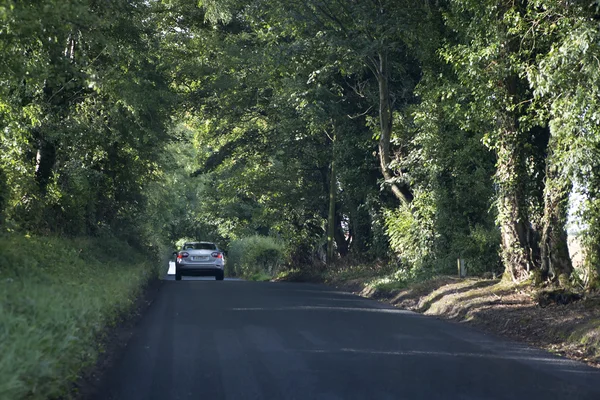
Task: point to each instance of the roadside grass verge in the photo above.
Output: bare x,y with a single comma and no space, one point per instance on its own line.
564,323
57,296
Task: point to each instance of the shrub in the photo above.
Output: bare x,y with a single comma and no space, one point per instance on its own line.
255,256
411,234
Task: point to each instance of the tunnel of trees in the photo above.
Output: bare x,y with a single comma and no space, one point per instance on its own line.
416,132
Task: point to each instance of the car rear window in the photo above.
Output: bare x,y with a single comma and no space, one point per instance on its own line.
199,246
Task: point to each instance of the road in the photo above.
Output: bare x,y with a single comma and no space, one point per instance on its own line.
204,339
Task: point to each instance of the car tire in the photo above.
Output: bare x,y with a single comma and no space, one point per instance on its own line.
177,276
220,276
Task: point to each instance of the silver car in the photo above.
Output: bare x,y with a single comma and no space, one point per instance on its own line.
200,259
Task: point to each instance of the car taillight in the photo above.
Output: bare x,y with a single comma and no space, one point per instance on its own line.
217,255
183,255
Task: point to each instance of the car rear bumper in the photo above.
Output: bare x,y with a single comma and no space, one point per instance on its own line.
194,270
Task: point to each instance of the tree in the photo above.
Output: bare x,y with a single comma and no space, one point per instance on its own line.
84,110
565,81
489,59
366,45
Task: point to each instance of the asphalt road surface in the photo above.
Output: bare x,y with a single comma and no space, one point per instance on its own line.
242,340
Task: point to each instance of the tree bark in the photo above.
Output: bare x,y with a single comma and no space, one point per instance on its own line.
555,258
386,123
512,211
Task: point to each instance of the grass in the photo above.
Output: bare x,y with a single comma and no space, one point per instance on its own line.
57,296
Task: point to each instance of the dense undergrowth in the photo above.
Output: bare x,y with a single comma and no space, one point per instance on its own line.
256,258
57,296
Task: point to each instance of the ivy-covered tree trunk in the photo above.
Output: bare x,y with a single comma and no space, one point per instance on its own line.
512,210
555,259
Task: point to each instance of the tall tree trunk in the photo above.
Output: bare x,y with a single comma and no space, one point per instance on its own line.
386,121
512,210
555,259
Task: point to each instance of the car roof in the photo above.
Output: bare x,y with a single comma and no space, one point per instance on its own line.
193,243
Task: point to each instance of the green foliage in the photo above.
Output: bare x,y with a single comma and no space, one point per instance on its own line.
466,137
56,298
488,58
255,256
429,242
411,235
263,164
84,102
452,172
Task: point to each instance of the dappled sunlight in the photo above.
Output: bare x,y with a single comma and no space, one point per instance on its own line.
410,296
453,290
460,303
405,294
